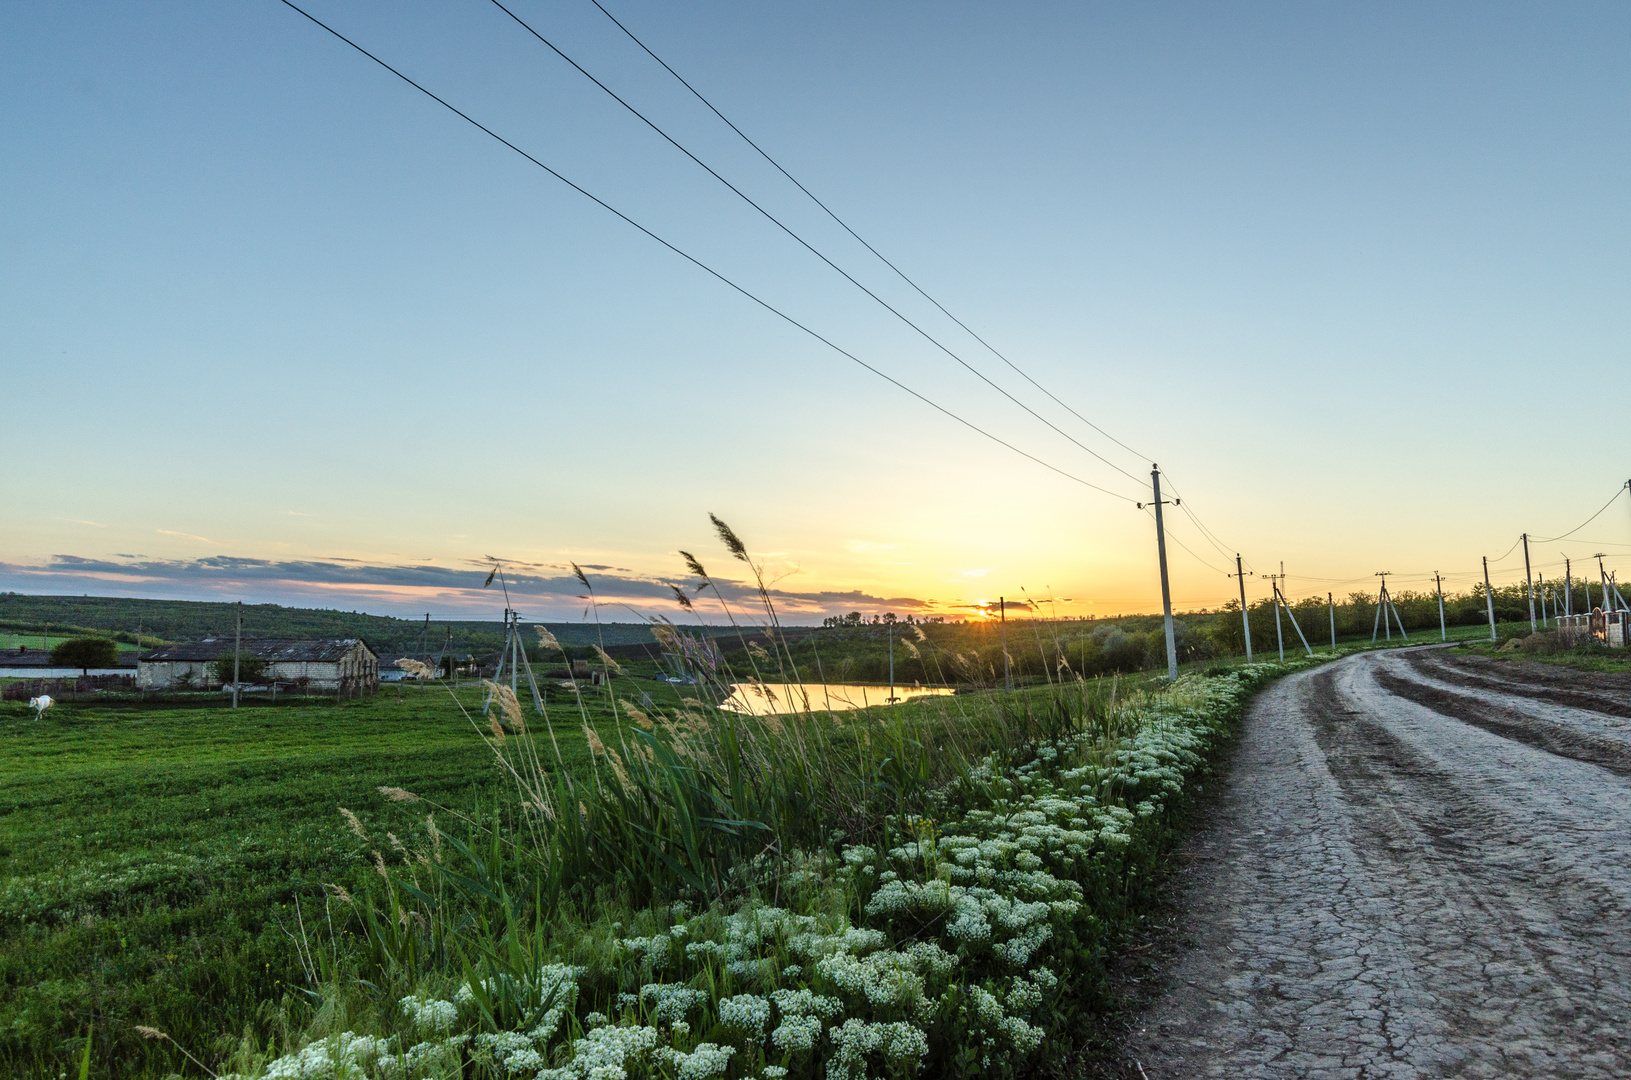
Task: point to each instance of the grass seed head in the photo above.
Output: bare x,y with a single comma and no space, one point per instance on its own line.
356,826
608,661
547,639
728,537
396,794
693,565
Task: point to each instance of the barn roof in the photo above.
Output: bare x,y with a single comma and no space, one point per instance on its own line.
321,651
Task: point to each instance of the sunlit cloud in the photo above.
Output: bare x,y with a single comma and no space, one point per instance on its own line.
541,590
187,536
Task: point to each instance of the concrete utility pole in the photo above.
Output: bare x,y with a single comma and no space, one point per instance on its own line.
1381,609
1568,588
1166,592
1489,599
237,648
891,630
1245,616
1529,582
1602,577
1443,632
1330,599
1007,668
1279,631
1542,579
1281,597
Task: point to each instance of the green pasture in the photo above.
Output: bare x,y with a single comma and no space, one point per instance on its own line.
149,853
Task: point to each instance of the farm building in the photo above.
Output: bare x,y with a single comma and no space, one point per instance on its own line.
344,664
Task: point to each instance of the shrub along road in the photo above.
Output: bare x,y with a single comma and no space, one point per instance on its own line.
1420,867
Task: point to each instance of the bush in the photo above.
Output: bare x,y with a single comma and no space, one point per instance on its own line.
251,669
85,653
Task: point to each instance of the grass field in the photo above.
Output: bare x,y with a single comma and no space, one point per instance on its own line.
147,855
157,859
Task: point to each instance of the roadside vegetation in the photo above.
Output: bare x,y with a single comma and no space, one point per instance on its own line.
637,884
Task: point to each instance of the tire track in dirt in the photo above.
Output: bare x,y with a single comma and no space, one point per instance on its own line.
1388,890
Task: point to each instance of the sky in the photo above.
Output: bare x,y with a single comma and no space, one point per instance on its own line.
275,326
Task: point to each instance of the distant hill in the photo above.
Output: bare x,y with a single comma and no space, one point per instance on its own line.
189,620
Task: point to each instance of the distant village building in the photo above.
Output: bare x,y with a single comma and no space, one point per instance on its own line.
344,664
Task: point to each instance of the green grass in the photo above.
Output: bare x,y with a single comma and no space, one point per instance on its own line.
148,852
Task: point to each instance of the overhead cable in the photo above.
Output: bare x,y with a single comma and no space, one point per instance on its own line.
697,262
768,216
1586,522
858,238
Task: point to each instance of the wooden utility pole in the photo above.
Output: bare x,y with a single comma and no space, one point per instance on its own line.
1330,599
1568,588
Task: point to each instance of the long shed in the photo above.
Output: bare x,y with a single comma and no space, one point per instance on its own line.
344,664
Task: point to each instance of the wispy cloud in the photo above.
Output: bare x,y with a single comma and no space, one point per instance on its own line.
80,521
186,536
542,590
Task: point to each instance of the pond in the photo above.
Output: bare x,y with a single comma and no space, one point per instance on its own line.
758,699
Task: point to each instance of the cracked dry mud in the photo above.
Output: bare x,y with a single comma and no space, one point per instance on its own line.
1420,866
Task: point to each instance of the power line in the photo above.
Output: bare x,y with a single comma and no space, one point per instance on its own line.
858,238
1206,533
697,262
1174,538
1588,521
768,216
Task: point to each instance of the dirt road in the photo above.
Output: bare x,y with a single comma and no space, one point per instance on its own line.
1420,867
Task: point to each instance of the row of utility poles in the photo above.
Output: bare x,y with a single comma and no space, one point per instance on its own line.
1384,602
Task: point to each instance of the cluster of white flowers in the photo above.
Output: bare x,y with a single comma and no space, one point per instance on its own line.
706,1060
748,1013
977,905
345,1056
430,1014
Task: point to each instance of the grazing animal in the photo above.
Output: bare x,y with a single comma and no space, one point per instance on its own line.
40,704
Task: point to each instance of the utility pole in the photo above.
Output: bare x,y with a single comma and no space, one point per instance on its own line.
891,631
237,649
1007,670
1166,592
1281,597
1245,616
1381,609
1529,582
1542,580
1602,577
1330,599
1443,632
1568,588
1489,599
1279,631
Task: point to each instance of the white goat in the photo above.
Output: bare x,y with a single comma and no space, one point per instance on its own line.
40,704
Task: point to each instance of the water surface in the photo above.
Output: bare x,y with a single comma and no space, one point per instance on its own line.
758,699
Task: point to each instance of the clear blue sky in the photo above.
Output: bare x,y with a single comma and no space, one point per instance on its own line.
275,326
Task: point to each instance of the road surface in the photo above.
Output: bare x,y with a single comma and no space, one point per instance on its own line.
1420,866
